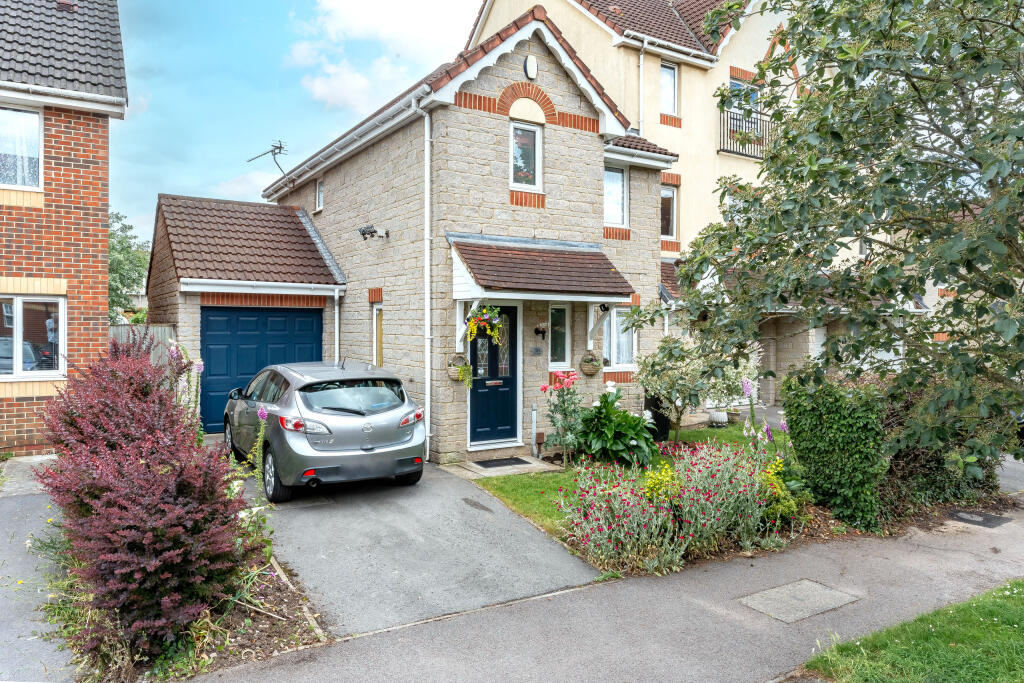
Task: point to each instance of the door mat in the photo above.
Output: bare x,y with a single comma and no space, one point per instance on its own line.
501,462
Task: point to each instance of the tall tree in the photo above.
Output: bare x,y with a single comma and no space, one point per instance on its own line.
893,164
128,261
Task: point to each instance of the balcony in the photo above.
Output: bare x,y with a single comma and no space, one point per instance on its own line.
743,136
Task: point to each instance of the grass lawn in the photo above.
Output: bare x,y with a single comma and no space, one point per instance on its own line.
978,640
532,495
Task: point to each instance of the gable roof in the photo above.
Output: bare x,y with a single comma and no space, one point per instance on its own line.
679,22
443,82
218,239
76,49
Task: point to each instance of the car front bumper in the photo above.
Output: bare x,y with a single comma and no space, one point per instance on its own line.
295,457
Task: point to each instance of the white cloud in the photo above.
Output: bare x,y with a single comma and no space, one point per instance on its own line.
433,32
343,86
305,53
246,186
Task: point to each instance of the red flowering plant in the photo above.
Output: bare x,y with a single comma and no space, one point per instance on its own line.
565,411
639,520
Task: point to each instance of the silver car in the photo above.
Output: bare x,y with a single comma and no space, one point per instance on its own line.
327,423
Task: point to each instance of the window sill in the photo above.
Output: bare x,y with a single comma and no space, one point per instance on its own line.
39,377
526,188
21,188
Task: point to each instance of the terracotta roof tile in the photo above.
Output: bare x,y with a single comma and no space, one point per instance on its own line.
514,268
668,278
680,22
640,144
226,240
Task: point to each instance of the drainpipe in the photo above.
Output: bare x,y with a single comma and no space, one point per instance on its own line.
640,104
427,336
337,310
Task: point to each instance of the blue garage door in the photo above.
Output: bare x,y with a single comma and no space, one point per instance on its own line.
237,342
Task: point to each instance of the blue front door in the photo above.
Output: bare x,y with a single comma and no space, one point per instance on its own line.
494,396
236,343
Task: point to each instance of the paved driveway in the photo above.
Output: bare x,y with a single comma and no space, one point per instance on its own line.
374,555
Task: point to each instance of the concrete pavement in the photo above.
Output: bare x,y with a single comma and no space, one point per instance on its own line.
24,654
374,555
689,626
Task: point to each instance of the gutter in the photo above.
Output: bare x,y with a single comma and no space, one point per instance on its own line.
102,103
683,54
349,142
639,158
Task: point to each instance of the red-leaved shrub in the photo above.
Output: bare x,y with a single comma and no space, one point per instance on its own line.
146,510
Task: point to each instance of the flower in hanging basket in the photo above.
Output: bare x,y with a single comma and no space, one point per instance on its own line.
484,319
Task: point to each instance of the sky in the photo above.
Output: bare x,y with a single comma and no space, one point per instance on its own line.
211,84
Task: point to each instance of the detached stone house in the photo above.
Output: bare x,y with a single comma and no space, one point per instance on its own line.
506,178
62,79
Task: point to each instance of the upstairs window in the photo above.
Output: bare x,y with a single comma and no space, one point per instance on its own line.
668,212
614,197
20,149
526,157
669,103
736,89
319,194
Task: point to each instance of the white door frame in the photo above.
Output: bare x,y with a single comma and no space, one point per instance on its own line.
518,441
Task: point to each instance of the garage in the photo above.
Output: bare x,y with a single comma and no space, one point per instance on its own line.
235,343
242,285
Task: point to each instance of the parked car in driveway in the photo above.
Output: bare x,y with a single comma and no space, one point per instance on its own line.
327,423
30,358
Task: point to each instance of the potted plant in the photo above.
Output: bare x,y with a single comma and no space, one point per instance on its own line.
590,364
486,319
460,370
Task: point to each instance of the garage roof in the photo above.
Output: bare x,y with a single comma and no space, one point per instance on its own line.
218,239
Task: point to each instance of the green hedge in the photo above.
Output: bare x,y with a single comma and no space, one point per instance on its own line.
838,438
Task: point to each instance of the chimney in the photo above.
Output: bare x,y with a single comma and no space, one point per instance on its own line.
67,5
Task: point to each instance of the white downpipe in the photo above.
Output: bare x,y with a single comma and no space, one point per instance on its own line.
427,338
337,341
640,79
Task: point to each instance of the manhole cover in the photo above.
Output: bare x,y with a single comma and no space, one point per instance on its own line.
797,600
978,518
501,462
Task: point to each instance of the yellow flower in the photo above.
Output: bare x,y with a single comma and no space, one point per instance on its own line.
20,582
50,520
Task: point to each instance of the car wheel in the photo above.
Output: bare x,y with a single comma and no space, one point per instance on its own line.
276,491
409,479
229,439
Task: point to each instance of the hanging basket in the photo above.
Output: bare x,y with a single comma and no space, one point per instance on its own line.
589,365
454,363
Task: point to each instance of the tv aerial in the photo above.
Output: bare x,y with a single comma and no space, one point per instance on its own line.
276,149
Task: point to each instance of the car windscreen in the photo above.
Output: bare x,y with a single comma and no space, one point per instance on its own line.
354,396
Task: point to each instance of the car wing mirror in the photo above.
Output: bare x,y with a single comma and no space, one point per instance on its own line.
235,394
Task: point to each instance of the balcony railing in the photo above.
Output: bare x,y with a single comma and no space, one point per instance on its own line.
745,136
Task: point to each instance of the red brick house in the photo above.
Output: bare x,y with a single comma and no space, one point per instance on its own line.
62,79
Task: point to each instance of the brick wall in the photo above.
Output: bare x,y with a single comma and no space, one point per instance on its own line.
162,283
67,238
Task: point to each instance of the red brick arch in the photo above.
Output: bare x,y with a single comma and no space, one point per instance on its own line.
530,91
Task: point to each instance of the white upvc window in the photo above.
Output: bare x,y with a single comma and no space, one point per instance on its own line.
560,337
526,157
668,212
21,149
319,202
619,351
669,89
33,337
616,197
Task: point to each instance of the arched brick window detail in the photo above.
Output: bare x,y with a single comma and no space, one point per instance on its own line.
530,91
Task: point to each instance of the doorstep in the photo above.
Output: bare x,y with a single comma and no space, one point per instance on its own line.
472,470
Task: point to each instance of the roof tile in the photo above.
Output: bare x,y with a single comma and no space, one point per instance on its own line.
527,269
226,240
639,144
78,50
